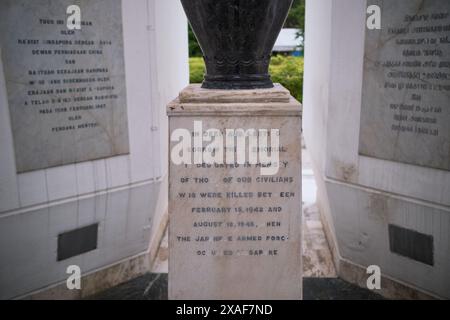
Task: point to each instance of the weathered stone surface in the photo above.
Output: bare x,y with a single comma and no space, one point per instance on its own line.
233,232
196,94
405,114
66,88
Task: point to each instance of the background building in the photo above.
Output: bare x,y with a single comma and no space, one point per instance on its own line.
289,42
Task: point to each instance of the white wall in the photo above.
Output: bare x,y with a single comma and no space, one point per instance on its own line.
359,196
127,195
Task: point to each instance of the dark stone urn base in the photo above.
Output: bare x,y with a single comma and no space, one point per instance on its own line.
237,82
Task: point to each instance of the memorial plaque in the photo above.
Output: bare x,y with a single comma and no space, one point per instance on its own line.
405,115
235,228
64,69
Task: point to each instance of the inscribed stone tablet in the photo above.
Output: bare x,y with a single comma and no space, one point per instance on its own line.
65,79
405,114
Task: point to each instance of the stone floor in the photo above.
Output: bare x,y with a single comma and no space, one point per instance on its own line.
317,259
153,286
320,281
161,264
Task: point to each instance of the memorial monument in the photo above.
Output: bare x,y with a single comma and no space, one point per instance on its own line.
235,163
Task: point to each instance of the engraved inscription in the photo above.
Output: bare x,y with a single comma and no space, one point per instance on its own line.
405,114
227,219
65,79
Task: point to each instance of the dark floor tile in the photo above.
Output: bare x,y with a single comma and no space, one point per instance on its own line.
154,287
335,289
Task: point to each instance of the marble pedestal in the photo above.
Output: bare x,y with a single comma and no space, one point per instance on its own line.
234,230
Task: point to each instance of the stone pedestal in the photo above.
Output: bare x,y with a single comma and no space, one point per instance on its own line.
234,225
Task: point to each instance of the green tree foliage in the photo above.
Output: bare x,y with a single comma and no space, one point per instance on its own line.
286,70
296,17
194,48
196,69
